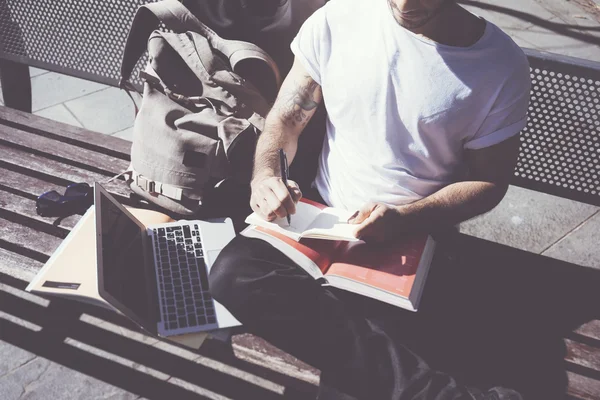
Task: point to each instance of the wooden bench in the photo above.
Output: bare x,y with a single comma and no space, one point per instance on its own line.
496,315
40,155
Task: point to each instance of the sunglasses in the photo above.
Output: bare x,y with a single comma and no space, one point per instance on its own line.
77,199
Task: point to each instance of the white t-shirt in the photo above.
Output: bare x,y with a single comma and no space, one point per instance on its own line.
401,109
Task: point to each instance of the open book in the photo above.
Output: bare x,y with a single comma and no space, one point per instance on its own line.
394,273
311,220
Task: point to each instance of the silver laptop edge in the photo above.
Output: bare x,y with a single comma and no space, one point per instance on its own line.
214,236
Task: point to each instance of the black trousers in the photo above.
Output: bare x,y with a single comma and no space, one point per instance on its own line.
360,357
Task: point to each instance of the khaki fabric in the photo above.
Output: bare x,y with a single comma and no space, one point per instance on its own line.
200,115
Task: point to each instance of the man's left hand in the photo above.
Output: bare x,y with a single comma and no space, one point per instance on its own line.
377,222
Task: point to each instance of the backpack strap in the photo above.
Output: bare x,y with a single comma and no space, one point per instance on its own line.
257,121
177,17
155,187
195,51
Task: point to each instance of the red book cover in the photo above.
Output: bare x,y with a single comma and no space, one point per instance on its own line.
391,267
395,268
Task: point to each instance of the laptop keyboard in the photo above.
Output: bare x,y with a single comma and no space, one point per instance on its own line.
182,278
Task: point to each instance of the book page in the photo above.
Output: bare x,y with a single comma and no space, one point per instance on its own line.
371,291
308,259
300,221
395,282
333,224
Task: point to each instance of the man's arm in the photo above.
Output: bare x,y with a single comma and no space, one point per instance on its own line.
296,103
490,172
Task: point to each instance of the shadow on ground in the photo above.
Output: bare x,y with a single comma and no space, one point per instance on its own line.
494,315
491,315
69,336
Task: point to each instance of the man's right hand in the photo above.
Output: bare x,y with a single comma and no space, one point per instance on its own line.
296,103
271,198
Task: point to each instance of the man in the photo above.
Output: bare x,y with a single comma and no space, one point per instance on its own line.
425,102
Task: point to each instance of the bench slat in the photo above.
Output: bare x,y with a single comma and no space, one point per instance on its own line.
219,350
583,354
135,351
26,185
26,239
30,187
18,266
107,144
68,153
582,387
256,350
590,329
26,208
16,159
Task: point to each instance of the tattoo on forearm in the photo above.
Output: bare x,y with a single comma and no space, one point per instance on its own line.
293,107
295,104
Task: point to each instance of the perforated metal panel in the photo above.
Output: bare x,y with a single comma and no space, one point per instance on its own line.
560,147
83,38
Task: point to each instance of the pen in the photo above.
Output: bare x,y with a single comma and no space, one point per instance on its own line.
284,168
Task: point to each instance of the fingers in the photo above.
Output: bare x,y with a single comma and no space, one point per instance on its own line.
259,206
295,191
274,203
369,227
362,214
283,199
272,199
376,222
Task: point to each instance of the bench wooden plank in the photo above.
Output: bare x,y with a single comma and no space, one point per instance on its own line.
26,163
590,329
221,351
31,187
27,240
583,354
102,143
256,350
25,208
134,351
86,362
26,185
582,387
19,266
62,152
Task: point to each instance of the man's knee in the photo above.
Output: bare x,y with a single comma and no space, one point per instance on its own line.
249,273
227,276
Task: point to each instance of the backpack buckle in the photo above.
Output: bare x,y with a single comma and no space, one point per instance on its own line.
145,183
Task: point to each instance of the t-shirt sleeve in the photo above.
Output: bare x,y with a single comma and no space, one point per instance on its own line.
508,115
311,44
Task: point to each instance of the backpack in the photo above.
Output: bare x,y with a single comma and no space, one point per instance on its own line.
200,117
270,24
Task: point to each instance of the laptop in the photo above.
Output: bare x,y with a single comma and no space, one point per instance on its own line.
157,275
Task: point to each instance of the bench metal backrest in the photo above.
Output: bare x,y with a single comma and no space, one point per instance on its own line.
78,38
560,147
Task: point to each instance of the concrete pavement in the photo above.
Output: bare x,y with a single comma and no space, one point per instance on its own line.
525,219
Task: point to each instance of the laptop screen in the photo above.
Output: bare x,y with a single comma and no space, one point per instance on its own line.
123,268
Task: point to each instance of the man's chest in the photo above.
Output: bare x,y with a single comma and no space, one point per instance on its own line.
404,91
